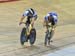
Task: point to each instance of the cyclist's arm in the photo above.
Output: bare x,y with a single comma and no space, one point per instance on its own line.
23,16
54,26
33,19
45,23
35,16
55,20
21,20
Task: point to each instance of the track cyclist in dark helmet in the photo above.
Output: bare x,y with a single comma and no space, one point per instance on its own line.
31,17
28,32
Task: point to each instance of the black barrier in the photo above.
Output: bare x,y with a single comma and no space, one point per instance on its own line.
2,1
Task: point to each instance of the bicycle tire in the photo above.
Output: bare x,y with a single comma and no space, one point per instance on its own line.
46,37
32,36
22,36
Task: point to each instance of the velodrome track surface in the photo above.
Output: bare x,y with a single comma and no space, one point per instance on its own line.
10,14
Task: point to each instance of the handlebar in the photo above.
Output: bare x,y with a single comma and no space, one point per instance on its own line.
23,23
48,25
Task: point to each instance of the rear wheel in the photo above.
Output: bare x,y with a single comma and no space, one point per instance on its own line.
32,36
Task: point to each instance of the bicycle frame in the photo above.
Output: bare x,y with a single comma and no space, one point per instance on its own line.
28,29
28,33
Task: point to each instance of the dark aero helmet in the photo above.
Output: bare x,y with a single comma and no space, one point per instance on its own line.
31,11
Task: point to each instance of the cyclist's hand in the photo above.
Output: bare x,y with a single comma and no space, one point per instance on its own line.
20,23
44,25
53,29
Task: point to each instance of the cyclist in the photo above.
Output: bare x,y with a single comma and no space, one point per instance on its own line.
51,19
31,17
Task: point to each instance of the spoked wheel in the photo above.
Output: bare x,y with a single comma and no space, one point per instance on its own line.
22,36
32,36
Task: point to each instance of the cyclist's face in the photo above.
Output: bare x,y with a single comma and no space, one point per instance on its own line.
30,15
49,18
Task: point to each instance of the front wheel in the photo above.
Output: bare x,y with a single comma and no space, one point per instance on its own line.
23,36
46,37
32,36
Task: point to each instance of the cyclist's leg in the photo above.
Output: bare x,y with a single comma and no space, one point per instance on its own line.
51,35
49,39
28,24
52,31
31,26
